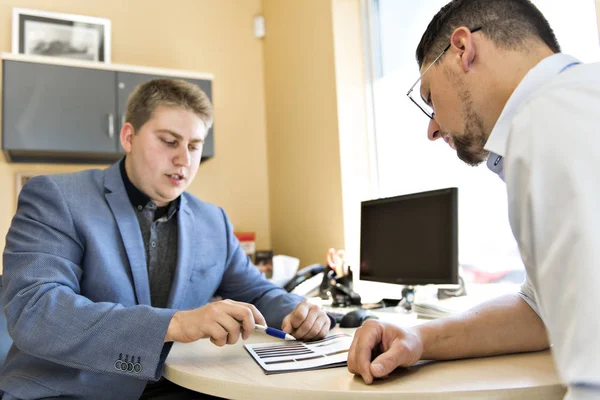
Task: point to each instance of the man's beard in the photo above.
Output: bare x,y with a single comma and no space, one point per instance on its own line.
469,145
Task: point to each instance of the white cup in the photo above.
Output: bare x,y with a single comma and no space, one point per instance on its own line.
284,269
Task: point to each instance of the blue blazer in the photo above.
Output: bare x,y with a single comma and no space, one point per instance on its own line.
77,298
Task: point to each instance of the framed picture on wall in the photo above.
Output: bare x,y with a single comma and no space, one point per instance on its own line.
44,33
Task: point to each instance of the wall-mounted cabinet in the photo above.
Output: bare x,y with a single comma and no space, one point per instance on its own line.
56,110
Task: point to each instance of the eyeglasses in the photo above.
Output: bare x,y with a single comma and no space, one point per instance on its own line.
419,100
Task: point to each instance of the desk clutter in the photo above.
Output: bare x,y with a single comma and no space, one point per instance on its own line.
275,358
331,281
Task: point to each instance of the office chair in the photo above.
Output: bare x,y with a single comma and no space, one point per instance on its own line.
5,340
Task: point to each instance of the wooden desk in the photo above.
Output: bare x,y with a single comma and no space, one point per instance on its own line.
230,372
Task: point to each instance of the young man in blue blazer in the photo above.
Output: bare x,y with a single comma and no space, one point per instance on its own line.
105,269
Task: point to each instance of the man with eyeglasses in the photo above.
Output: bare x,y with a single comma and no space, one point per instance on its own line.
497,89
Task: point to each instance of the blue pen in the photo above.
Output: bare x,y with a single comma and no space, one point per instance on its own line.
273,332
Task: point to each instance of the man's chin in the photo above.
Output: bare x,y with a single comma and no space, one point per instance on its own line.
471,158
175,195
172,195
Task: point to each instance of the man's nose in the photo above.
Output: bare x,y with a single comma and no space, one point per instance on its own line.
183,157
433,131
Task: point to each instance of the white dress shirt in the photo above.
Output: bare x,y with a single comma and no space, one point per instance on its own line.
544,146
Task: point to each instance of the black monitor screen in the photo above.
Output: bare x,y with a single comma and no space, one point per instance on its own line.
410,239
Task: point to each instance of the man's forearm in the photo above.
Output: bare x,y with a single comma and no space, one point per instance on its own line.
500,326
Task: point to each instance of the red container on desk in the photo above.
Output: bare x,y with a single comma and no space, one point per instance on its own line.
247,242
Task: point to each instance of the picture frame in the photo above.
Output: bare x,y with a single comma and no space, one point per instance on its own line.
22,178
45,33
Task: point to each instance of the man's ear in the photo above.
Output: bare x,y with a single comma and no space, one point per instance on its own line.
127,132
462,43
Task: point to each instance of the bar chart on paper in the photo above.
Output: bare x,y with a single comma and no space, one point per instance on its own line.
274,358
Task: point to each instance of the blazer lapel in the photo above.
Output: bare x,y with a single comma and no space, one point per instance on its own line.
129,227
185,254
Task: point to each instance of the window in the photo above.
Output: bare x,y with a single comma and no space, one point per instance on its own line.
407,162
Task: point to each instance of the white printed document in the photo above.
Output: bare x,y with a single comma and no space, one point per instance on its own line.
289,356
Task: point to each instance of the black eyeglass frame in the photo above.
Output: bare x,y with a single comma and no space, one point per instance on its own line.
432,114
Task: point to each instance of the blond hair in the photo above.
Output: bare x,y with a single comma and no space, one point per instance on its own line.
175,93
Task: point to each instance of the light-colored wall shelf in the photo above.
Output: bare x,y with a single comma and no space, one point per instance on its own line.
107,66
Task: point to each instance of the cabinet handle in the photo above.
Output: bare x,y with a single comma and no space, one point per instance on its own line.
111,125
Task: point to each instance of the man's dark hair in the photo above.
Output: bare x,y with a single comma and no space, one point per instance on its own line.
508,23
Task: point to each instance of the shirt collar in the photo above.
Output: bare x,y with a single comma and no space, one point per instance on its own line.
139,200
533,80
136,196
495,163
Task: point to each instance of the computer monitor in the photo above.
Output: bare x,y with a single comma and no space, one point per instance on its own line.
410,239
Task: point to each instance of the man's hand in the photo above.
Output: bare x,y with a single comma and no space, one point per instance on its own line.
390,346
307,322
222,321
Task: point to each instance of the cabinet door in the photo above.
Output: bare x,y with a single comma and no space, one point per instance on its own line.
57,108
127,81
